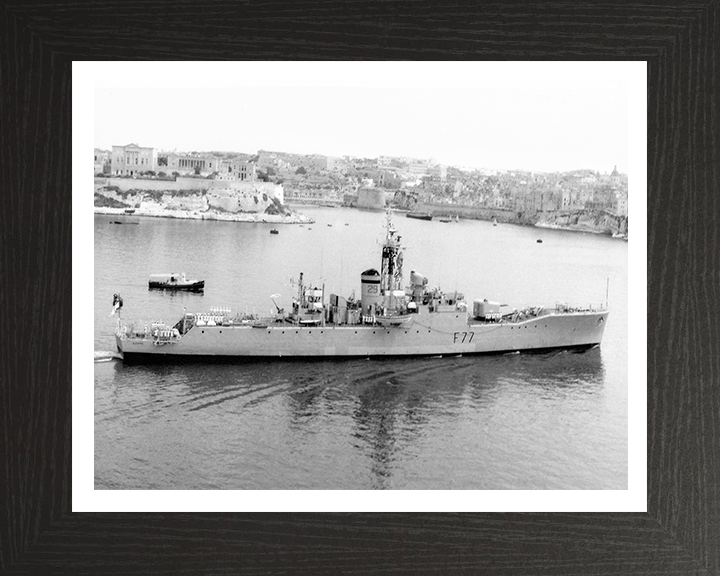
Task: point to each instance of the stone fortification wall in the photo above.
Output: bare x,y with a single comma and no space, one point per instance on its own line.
372,198
185,184
500,214
193,194
581,220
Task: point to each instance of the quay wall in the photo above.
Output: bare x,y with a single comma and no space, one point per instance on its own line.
472,212
598,222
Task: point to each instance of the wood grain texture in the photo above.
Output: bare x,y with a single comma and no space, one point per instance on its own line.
680,532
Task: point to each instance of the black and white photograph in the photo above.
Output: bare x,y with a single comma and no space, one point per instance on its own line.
376,277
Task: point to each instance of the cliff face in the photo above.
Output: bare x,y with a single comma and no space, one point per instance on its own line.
232,200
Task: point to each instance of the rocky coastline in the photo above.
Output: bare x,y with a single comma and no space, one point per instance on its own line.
252,218
227,202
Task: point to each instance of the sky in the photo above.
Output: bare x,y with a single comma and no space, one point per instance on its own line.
536,116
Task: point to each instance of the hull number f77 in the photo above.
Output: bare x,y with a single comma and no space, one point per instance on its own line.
463,337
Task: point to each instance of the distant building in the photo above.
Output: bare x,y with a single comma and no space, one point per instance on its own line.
621,204
388,179
418,168
336,164
102,161
132,159
235,169
192,163
374,198
438,170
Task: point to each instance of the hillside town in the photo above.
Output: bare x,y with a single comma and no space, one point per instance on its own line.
561,199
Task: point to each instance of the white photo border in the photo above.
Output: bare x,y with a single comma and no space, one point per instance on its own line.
89,75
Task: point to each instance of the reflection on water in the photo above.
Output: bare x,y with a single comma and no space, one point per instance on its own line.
389,414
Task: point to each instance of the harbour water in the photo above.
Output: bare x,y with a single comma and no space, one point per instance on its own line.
516,421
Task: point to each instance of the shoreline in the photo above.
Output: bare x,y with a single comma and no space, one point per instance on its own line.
244,217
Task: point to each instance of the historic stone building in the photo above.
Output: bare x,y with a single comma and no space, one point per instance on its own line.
131,160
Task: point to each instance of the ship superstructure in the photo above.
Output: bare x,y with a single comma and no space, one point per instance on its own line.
389,319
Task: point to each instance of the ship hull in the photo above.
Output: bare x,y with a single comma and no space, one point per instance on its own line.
188,287
434,334
419,216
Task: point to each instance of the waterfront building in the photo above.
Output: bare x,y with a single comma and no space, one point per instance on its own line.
236,169
102,161
373,198
131,159
621,204
192,163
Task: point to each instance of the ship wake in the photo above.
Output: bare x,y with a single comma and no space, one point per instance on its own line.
106,356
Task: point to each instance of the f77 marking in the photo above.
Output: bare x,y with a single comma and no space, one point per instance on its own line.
463,337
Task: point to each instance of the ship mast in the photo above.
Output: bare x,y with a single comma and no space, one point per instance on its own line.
392,259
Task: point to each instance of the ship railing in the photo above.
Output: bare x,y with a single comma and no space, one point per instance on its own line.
563,308
165,336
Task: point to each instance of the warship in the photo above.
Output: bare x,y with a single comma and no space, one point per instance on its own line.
389,319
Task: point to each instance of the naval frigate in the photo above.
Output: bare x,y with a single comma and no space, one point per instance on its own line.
389,319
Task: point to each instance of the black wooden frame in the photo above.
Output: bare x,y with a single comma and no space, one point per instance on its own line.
680,532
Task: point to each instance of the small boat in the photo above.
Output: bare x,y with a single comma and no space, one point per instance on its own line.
539,240
394,320
274,231
419,215
129,210
330,225
175,281
445,220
